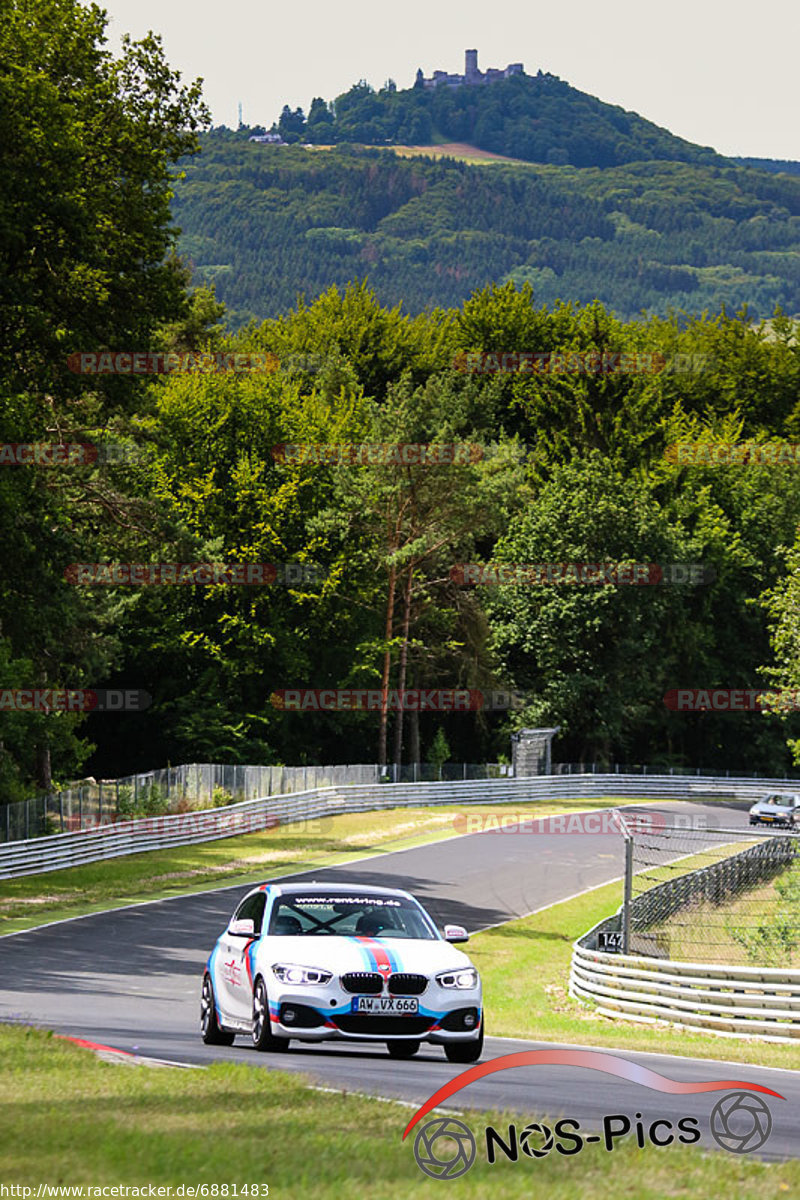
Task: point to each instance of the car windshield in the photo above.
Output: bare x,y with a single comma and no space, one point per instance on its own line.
779,801
318,914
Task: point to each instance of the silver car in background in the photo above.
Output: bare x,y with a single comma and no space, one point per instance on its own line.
779,809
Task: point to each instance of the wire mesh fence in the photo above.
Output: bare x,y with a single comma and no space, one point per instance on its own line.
660,769
702,894
180,789
187,788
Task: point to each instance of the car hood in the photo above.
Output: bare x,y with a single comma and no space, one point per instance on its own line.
341,954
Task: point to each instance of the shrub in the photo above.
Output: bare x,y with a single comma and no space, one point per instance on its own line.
220,798
125,804
152,802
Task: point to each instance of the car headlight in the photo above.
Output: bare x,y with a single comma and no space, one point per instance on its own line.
465,978
291,973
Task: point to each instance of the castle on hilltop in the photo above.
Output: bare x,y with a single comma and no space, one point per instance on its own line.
471,74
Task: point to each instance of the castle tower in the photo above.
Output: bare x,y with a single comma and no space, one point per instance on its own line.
471,72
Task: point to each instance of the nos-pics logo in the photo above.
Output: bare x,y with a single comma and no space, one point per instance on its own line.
445,1148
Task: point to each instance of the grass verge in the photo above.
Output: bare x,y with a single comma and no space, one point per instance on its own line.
68,1118
319,842
525,969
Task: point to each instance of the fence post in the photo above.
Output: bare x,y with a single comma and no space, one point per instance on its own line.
626,903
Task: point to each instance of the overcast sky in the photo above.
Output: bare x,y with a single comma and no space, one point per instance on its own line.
718,72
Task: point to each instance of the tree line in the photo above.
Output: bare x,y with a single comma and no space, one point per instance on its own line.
570,413
262,224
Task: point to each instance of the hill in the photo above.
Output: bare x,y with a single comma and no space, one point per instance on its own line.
536,118
265,223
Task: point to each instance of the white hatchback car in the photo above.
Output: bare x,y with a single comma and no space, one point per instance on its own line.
316,961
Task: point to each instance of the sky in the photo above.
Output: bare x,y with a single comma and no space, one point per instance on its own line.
721,73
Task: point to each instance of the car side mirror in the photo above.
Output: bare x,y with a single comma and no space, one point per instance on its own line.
455,933
244,927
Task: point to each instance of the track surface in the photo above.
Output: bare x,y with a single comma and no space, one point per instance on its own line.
130,979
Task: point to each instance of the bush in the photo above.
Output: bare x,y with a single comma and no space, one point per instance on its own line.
50,824
152,802
439,752
125,805
220,798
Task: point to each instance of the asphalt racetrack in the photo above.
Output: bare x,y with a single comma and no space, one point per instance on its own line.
130,979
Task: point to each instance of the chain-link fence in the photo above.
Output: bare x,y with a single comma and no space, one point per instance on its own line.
181,789
92,802
660,769
713,895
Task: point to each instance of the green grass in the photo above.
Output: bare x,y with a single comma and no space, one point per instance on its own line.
68,1118
525,969
321,842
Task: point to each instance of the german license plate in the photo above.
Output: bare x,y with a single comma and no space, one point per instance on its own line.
389,1006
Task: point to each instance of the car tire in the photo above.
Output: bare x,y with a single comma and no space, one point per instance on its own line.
399,1048
262,1030
210,1030
465,1052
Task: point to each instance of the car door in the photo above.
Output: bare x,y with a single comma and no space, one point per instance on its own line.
235,984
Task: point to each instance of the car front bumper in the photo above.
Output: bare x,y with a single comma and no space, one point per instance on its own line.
321,1013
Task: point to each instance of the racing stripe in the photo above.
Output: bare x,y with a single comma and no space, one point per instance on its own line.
366,958
211,964
248,959
381,959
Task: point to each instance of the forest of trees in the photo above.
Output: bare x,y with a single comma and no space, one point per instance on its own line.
580,470
264,224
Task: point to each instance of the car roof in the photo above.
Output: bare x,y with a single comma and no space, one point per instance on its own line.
336,889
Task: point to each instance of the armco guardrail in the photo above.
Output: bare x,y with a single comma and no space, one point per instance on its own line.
761,1001
37,855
